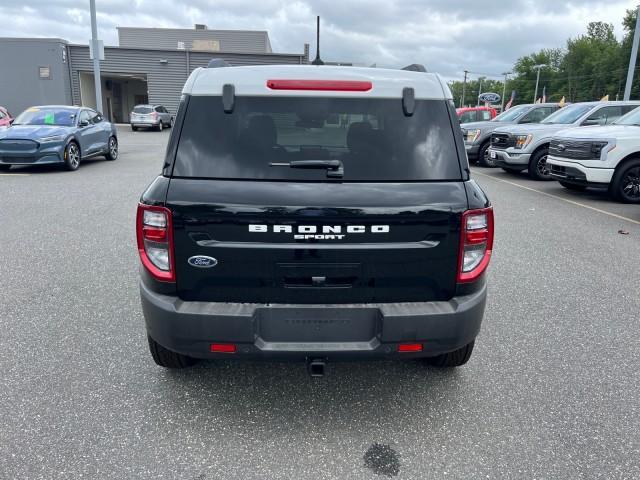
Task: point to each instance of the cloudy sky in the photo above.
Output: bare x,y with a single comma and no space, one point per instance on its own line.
447,36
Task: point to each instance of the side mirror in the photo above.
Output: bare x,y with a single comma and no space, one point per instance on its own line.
590,122
83,123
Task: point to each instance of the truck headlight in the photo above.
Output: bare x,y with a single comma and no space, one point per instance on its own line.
472,135
523,140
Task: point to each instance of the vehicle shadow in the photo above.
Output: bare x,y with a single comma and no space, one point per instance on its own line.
51,167
361,396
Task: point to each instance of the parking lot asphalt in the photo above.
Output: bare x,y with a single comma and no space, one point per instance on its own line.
551,390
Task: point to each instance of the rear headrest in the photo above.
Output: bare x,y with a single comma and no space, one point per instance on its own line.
262,131
359,136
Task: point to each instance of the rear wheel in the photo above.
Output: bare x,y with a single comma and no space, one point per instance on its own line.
166,358
538,167
456,358
135,129
573,186
159,127
112,149
483,156
72,156
171,122
625,184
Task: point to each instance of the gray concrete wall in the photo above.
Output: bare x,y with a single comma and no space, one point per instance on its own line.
20,82
237,41
165,70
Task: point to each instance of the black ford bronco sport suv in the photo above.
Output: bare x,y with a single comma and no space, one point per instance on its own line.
314,212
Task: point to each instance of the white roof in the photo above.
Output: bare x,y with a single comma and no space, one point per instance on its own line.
252,81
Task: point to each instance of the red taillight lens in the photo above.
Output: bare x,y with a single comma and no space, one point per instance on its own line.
332,85
410,347
476,244
223,348
155,241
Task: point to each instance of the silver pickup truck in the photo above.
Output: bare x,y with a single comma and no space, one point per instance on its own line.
478,134
525,147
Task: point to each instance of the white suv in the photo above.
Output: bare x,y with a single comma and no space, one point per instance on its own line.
605,157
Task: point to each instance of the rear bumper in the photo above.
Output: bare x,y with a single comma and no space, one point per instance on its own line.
573,172
291,331
144,124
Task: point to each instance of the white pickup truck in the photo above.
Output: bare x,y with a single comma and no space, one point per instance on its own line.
603,157
525,147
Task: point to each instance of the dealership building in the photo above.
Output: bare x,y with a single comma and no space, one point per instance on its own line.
149,65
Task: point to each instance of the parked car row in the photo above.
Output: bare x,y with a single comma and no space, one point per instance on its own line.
588,144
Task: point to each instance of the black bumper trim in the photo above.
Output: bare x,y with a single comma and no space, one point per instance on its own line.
190,327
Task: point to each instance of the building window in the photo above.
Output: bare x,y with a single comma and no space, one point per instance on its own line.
45,73
180,45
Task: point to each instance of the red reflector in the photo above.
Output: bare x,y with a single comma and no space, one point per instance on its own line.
154,234
223,348
337,85
410,347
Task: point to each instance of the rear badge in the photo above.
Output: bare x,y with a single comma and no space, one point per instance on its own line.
202,261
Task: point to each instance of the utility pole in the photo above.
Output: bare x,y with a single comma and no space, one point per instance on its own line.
504,89
96,55
479,90
538,67
632,60
464,88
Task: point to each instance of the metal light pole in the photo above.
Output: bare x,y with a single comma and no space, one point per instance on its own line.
479,90
632,59
539,67
504,90
96,55
464,88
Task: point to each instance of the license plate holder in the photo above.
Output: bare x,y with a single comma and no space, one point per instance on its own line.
313,324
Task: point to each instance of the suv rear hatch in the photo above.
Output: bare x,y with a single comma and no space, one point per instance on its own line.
374,218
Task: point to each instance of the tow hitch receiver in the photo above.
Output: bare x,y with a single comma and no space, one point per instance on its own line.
316,367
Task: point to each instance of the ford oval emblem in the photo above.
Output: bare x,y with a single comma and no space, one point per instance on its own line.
202,261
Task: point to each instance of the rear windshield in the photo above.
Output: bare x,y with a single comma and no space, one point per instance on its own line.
372,138
142,109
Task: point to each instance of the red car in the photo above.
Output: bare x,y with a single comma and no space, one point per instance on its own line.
5,117
475,114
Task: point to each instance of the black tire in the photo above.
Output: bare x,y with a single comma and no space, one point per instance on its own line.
456,358
159,126
168,359
171,122
573,186
72,156
511,170
538,169
4,168
625,184
483,156
135,129
112,149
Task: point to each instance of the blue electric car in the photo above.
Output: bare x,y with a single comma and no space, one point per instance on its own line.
57,134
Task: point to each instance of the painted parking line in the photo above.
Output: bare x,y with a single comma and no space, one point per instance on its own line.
15,174
557,197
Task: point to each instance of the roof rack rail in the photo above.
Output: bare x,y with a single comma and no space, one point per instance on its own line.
217,63
415,67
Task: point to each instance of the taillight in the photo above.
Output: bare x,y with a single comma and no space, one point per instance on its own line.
155,241
476,243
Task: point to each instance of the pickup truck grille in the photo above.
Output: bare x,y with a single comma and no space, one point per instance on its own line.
576,149
502,140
